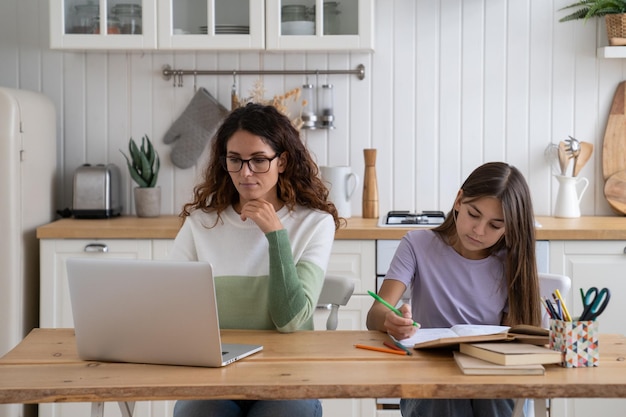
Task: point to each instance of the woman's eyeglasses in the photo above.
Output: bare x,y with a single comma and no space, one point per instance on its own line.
258,164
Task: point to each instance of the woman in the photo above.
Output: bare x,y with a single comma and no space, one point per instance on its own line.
478,267
262,218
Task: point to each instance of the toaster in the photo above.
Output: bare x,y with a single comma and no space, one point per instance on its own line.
97,191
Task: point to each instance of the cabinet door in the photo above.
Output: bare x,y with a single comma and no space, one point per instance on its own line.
103,24
593,264
320,25
355,259
55,307
211,24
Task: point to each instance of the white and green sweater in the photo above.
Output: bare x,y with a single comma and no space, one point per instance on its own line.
262,281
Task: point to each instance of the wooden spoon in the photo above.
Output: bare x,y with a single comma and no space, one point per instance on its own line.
586,149
563,157
615,191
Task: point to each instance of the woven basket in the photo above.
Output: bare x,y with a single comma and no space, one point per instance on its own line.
616,28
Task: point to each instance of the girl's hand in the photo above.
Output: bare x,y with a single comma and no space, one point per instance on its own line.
263,214
400,327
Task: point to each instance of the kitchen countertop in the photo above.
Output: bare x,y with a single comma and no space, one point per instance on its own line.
166,227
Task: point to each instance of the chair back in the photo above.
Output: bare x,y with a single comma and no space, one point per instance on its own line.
547,284
336,292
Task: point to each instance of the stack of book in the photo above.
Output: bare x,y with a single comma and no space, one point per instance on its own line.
504,358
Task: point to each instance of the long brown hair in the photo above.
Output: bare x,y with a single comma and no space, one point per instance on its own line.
299,184
507,184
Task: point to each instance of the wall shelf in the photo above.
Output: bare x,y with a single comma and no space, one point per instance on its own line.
611,52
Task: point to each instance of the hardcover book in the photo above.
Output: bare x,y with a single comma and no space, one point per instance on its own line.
507,353
474,366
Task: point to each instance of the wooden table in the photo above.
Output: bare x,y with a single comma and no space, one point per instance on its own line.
44,367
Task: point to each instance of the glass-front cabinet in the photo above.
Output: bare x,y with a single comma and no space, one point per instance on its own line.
211,24
297,25
103,24
320,25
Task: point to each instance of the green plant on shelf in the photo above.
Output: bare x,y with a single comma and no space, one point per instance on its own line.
594,8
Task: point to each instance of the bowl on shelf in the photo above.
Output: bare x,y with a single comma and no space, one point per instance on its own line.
298,27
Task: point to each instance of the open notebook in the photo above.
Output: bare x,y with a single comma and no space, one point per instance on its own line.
144,311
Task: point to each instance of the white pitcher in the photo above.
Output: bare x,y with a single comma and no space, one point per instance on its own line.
571,190
342,183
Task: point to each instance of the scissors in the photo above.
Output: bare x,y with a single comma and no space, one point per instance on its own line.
594,303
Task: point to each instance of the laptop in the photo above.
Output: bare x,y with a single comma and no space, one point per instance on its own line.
146,311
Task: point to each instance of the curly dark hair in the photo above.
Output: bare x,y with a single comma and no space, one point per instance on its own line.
299,184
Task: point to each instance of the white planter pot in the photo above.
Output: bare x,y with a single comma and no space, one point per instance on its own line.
148,201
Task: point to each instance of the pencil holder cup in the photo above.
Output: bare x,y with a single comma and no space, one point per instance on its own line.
577,341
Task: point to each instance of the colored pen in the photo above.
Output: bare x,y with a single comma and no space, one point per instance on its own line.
566,315
389,306
390,345
380,349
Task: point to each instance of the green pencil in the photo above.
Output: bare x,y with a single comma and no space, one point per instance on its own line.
389,306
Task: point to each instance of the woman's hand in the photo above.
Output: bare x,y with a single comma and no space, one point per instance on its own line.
400,327
263,214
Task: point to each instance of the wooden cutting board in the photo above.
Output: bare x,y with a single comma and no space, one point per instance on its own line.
614,146
615,191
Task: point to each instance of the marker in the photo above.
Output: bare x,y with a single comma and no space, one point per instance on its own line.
389,306
381,349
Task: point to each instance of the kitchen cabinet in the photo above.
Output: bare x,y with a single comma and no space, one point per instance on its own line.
103,24
351,258
592,263
345,25
212,25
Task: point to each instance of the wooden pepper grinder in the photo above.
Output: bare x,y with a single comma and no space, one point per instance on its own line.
370,187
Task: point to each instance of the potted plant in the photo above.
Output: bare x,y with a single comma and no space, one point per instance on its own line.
143,166
613,11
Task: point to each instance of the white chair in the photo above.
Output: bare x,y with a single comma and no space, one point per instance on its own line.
336,292
547,284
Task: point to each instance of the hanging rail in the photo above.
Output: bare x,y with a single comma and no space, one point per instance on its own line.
168,73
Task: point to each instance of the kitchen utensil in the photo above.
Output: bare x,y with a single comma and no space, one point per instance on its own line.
614,146
563,157
586,149
573,148
615,191
342,183
571,190
551,156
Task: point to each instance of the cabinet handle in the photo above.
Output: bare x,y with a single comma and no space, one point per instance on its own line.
96,247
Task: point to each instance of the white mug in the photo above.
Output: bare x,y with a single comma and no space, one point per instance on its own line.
571,190
342,183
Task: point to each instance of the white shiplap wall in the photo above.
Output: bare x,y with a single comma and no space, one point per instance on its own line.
452,84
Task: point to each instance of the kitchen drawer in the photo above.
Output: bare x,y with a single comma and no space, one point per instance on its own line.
55,306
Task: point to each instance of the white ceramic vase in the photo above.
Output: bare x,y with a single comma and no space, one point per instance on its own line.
571,190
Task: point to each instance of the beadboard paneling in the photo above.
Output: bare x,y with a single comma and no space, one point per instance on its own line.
452,84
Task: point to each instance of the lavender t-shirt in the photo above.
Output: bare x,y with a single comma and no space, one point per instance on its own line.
448,289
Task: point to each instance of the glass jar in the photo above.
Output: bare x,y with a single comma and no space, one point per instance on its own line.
113,25
326,112
85,16
309,118
331,18
129,15
295,13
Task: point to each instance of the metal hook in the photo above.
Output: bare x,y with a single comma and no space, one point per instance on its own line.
195,81
180,78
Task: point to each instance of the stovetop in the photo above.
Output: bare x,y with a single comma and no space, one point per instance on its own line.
404,218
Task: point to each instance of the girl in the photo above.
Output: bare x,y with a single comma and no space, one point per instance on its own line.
262,218
478,267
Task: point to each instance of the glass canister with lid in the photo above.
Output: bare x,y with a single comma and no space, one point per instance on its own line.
129,15
297,19
85,16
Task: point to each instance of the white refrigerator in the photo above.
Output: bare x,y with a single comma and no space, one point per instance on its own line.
27,178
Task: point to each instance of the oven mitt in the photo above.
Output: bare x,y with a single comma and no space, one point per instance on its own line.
192,130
